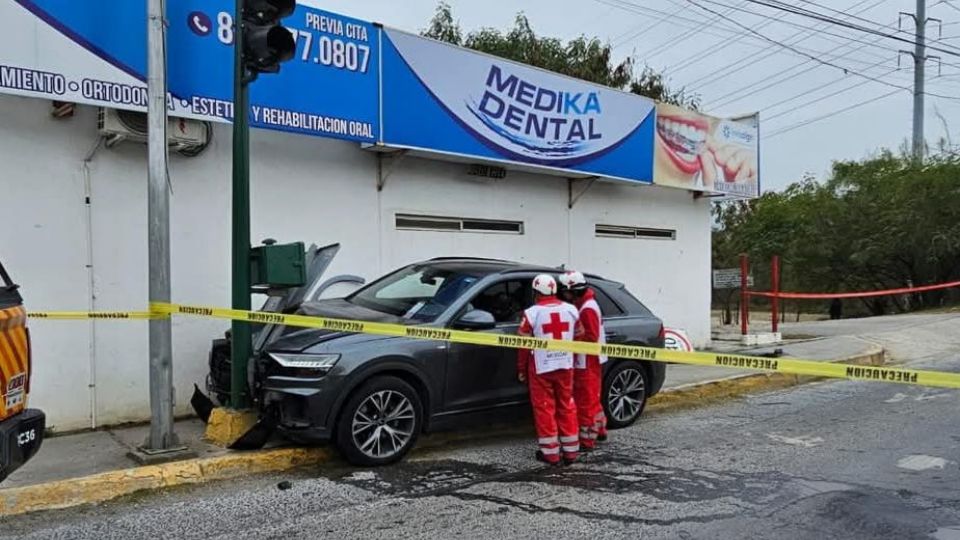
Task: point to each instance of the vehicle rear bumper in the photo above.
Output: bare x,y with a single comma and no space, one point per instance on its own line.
20,439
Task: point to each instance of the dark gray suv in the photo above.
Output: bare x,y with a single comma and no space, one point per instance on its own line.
374,395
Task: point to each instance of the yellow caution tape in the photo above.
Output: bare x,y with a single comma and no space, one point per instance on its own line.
781,365
83,315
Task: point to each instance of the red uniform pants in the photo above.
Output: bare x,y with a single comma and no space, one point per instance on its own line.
586,392
554,412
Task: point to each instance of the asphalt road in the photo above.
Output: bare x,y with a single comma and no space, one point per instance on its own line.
828,460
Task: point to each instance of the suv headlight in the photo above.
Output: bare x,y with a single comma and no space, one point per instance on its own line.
318,362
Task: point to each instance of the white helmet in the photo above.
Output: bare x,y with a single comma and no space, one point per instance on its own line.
573,280
545,285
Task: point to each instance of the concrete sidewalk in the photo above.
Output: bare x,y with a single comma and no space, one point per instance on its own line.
91,452
91,467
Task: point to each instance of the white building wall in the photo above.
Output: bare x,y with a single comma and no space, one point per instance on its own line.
315,190
44,246
671,277
427,187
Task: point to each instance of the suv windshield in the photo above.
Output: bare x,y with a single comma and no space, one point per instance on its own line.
420,292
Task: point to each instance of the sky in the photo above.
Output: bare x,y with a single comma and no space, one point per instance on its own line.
801,100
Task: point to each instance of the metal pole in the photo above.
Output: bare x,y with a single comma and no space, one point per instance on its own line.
775,300
919,64
161,436
744,297
241,347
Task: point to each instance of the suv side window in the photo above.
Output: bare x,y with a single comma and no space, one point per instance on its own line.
607,306
505,300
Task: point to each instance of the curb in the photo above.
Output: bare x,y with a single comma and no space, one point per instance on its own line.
109,485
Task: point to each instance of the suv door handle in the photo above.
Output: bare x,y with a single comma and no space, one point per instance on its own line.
613,335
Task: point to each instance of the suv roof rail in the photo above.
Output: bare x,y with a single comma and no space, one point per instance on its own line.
529,268
466,258
533,268
489,259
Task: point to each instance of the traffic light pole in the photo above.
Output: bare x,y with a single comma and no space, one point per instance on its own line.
241,344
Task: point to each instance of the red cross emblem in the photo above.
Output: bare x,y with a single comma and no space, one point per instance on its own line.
556,327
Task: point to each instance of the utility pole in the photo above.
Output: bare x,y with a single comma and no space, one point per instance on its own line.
920,58
162,438
919,64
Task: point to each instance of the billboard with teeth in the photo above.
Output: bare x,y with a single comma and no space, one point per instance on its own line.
704,153
450,100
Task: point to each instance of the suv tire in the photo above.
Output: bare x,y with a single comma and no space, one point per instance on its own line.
380,422
624,394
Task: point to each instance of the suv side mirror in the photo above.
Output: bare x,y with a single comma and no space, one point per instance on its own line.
475,319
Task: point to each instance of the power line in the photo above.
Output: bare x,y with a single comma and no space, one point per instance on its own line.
786,129
787,100
626,6
699,23
648,53
725,70
634,32
684,22
819,29
637,9
899,31
736,95
706,52
948,4
699,56
797,51
712,50
775,80
808,103
845,37
775,4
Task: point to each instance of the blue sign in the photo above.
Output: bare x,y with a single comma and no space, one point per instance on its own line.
330,88
450,100
432,96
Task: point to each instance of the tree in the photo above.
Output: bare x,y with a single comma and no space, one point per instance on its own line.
879,223
584,58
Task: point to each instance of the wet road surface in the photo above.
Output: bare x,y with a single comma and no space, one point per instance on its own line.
828,460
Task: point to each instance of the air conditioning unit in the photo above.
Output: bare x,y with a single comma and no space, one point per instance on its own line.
185,136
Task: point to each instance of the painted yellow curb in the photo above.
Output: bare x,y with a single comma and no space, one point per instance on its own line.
109,485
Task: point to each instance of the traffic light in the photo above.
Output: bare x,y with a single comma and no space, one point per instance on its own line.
265,43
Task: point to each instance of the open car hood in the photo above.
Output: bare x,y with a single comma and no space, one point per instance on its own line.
302,338
317,260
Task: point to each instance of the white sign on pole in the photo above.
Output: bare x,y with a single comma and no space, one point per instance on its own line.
729,278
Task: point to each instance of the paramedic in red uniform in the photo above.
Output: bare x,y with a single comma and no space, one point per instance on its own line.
550,373
588,369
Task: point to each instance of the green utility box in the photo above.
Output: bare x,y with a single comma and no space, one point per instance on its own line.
276,266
